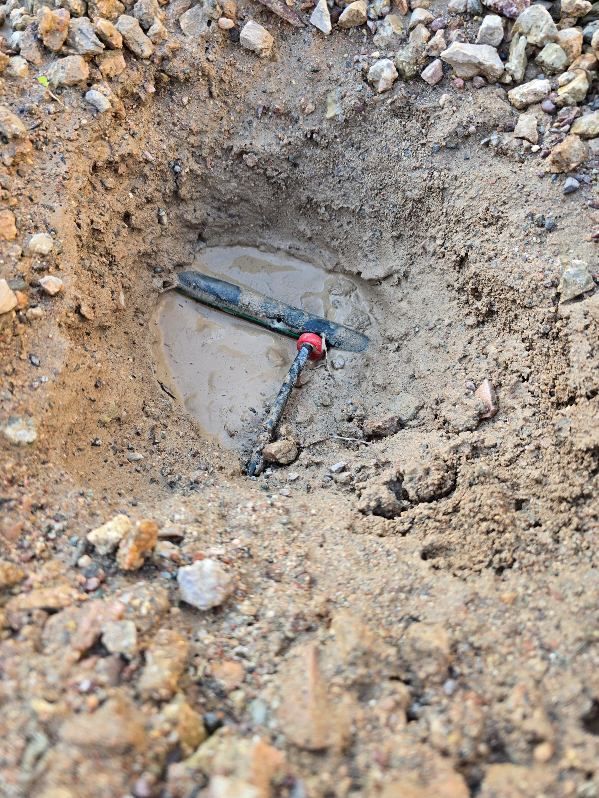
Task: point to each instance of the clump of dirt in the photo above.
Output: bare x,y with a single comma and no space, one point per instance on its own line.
409,607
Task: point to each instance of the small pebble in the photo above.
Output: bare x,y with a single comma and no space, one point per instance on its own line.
337,468
51,285
571,185
204,584
40,244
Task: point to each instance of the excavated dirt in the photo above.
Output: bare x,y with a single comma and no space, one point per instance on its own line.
420,621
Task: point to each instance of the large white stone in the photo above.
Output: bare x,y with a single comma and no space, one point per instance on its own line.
469,60
529,93
321,18
490,31
256,38
537,25
382,75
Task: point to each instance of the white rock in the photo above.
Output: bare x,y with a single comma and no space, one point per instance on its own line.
537,25
382,75
490,31
353,15
552,59
256,38
529,93
20,430
420,16
526,128
321,18
98,101
8,299
205,584
40,244
107,537
517,60
194,22
469,60
51,285
433,72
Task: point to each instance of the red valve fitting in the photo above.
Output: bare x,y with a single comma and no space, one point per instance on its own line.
315,342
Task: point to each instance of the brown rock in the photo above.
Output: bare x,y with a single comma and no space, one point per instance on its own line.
8,227
567,156
515,781
111,64
108,9
108,34
251,762
137,544
307,715
53,27
116,728
166,659
79,628
229,673
283,452
570,40
145,604
186,723
43,598
8,299
381,427
10,574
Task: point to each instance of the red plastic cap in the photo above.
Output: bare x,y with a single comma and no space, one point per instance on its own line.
315,342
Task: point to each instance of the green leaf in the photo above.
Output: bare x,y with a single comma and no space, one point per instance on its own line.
43,80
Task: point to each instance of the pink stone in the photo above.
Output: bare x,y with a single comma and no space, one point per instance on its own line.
433,72
486,394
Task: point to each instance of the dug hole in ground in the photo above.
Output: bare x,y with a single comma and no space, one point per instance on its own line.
404,603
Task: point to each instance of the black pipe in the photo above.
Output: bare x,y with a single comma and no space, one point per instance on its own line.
270,423
268,312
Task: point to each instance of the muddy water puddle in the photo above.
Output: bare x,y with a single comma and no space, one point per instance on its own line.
224,369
